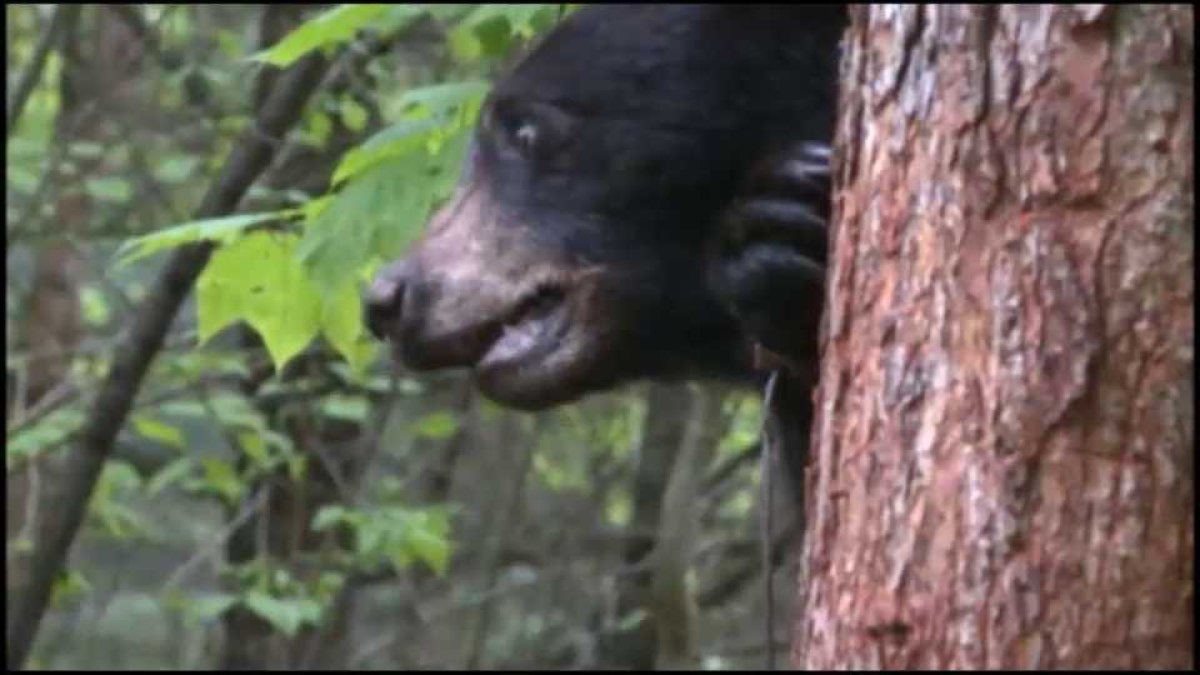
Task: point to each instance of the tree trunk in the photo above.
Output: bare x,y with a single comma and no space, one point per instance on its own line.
634,644
1001,473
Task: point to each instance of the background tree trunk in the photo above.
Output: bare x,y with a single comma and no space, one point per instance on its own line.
1002,463
635,645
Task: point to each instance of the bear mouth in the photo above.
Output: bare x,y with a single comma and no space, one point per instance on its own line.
535,328
534,355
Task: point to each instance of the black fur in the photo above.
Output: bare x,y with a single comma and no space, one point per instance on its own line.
646,197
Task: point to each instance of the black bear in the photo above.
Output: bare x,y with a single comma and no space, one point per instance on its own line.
646,196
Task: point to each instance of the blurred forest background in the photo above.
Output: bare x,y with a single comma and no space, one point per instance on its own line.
280,496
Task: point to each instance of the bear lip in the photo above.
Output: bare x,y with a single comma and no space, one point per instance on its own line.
534,328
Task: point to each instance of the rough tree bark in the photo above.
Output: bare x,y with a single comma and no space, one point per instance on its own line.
1002,463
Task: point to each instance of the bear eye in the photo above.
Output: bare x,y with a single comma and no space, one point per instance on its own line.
533,131
520,132
515,128
524,136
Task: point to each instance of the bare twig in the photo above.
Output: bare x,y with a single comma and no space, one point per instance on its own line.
64,392
214,545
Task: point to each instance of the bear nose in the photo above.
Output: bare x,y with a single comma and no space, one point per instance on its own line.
384,298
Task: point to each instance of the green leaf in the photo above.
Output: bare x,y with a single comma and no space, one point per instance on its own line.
158,431
258,279
492,30
403,138
426,535
209,606
235,411
354,115
318,128
116,190
222,229
221,478
349,408
437,425
176,169
342,325
193,409
174,472
379,213
287,615
22,179
438,99
85,150
229,44
70,585
328,29
618,508
118,477
393,198
329,516
429,116
95,307
744,426
49,432
255,449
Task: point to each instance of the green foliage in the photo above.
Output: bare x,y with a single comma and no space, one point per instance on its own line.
110,509
176,168
206,606
490,30
291,291
158,430
746,415
436,425
292,275
392,183
348,408
286,614
266,449
286,603
330,29
176,471
188,366
48,433
257,279
220,478
603,433
94,306
68,587
354,115
393,536
221,230
108,189
618,507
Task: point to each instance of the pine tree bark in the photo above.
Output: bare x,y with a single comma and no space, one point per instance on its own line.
1002,462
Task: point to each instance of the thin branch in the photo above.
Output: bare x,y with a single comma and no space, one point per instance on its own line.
213,546
63,14
747,570
63,393
730,466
